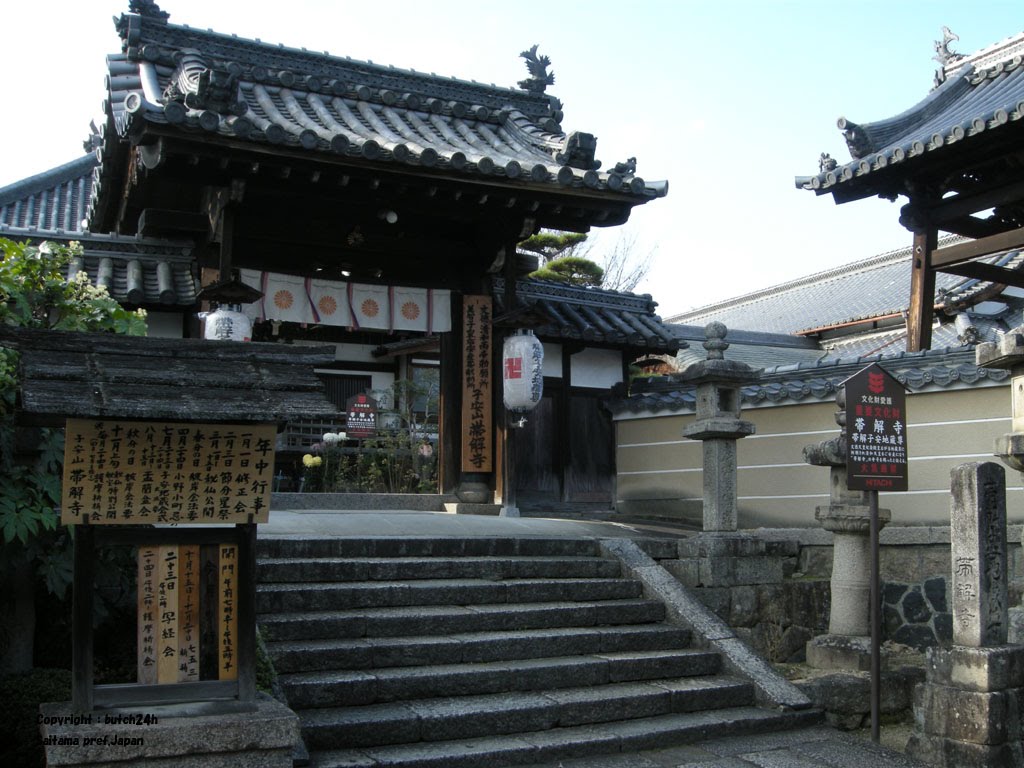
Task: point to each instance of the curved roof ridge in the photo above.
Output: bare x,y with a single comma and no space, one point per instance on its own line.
881,133
318,62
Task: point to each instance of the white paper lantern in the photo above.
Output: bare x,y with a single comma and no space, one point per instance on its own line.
523,371
227,325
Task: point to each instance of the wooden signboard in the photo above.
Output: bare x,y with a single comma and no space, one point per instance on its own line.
477,424
147,620
876,431
188,613
228,624
167,615
125,472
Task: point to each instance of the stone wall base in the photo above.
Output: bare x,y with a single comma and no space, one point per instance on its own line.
170,737
968,712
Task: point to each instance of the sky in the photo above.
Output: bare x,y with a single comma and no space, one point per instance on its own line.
728,100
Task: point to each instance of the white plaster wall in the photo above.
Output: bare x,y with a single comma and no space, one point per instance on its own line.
597,368
552,360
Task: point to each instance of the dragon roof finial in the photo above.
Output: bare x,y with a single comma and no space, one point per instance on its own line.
148,8
537,66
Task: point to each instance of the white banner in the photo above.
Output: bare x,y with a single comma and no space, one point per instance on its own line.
295,299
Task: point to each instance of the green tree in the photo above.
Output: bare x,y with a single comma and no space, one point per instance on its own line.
34,293
571,269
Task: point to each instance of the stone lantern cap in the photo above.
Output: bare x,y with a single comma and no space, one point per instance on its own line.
718,390
716,369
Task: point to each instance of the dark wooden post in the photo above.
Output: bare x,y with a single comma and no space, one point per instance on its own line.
247,612
922,291
81,619
450,402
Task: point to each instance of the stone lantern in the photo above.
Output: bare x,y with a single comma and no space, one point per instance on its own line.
848,517
718,426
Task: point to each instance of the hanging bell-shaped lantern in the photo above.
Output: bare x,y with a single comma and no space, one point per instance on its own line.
523,367
228,324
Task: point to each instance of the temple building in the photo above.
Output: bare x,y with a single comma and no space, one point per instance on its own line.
349,204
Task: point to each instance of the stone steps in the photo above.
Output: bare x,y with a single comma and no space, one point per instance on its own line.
454,619
565,743
322,596
284,570
474,647
448,652
347,687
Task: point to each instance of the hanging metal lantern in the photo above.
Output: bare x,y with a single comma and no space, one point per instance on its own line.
523,367
227,324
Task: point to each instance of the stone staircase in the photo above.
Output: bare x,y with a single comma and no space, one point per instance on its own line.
485,652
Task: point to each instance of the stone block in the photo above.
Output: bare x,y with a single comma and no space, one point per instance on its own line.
977,669
724,571
918,636
969,716
915,609
687,571
948,753
263,737
771,687
815,562
845,652
743,607
1016,631
935,591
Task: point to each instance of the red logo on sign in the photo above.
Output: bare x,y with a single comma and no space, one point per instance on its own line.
514,368
876,383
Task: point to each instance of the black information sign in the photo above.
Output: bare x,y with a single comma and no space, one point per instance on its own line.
362,417
876,431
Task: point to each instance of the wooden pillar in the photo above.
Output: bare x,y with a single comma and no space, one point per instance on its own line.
450,403
246,612
563,424
81,619
922,291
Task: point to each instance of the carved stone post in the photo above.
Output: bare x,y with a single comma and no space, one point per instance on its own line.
718,426
1008,354
967,711
848,643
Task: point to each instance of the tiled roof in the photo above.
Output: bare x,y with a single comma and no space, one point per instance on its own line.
210,84
136,271
936,368
56,200
756,349
870,290
600,317
978,98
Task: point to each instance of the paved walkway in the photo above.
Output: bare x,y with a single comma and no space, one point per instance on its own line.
817,747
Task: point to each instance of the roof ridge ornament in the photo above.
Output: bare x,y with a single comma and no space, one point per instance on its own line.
857,139
149,9
944,55
201,86
537,66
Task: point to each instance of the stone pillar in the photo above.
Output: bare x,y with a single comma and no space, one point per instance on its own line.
1008,354
848,516
719,426
968,711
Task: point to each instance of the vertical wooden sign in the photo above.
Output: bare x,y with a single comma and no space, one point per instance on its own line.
477,424
228,620
188,613
147,615
167,614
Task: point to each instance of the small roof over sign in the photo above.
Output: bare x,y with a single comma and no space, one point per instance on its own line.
105,376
